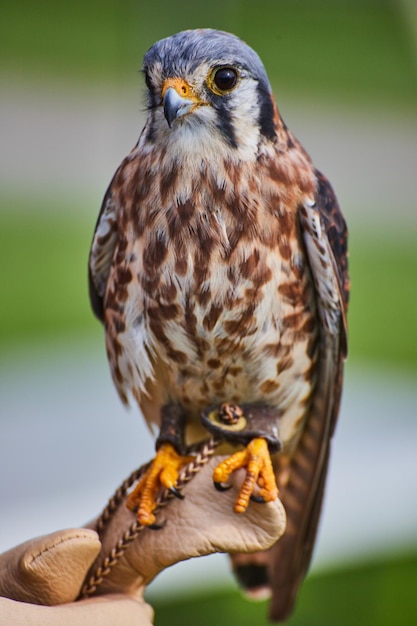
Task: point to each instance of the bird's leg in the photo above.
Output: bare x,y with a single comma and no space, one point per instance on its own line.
164,469
259,472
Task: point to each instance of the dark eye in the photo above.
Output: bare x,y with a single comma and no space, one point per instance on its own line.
225,78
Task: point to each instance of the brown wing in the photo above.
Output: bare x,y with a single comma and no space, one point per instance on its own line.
130,363
336,231
102,250
325,238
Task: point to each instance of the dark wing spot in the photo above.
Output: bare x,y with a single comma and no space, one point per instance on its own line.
285,363
263,276
269,386
284,248
309,325
214,363
119,325
218,385
168,292
290,292
154,255
286,223
291,321
168,311
203,297
248,267
212,316
123,275
167,182
310,372
177,356
181,266
118,374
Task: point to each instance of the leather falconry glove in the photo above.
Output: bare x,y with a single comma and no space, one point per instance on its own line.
41,579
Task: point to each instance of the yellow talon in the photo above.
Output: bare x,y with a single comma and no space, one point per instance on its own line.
163,472
259,471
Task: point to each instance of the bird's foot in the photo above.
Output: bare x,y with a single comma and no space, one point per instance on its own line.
163,472
259,474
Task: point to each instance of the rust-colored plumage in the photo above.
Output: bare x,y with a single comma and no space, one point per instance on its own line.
218,267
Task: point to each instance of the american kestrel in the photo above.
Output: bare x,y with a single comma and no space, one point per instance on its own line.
219,269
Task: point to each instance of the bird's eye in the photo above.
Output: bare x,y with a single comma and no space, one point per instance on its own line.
225,78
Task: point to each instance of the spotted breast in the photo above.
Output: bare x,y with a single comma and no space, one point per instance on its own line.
210,295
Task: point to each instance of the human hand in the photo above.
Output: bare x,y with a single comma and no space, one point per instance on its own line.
41,579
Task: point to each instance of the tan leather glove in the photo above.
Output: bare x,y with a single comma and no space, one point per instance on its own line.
51,570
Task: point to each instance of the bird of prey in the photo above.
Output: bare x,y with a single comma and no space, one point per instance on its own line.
219,269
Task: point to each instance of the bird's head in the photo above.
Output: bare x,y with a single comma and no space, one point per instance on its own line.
208,87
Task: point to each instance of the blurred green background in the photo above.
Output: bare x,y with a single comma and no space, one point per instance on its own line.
343,70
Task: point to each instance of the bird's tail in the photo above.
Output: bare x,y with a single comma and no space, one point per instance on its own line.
252,574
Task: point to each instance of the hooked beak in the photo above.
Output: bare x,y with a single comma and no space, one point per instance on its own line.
175,105
178,98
